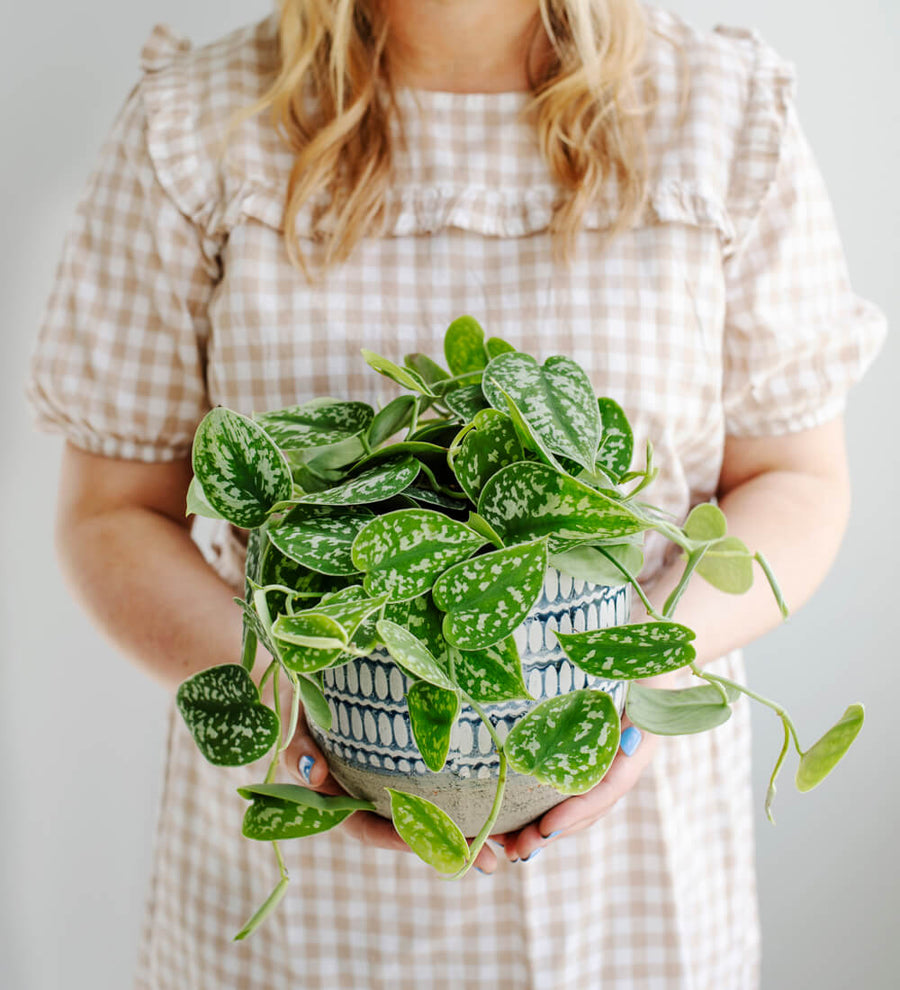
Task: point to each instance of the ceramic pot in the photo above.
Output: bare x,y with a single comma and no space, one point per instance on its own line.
370,745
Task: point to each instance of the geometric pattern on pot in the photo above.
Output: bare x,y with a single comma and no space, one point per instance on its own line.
370,722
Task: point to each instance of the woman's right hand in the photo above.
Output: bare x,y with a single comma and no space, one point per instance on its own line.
304,761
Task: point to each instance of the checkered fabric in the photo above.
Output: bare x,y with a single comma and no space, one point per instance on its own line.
726,310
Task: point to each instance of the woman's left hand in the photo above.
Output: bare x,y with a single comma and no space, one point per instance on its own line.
581,811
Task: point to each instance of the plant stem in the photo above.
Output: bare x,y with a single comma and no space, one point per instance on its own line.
778,709
295,713
770,795
266,675
773,583
719,687
633,581
694,558
480,839
270,903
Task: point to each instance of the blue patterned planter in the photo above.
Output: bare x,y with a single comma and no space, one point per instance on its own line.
371,746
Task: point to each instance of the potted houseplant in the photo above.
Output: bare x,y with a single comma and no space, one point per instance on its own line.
399,558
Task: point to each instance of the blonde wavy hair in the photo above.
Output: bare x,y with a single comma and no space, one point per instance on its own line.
332,103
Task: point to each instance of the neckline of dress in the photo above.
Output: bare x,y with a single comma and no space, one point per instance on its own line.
442,99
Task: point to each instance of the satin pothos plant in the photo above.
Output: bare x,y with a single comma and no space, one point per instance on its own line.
426,529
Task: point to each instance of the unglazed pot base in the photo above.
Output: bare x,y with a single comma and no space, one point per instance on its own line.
466,800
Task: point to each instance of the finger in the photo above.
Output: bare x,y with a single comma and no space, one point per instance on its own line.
373,830
486,860
304,760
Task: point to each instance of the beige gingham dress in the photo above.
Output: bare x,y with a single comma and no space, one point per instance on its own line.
727,309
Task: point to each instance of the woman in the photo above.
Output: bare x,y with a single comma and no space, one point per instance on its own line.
658,215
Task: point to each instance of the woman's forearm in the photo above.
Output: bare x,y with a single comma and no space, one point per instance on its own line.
145,583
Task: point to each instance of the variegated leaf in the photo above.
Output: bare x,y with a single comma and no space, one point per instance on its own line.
423,619
431,833
616,440
590,564
320,537
412,654
556,399
241,471
316,423
372,485
466,401
402,376
676,713
222,710
272,818
484,450
197,504
526,500
391,419
305,796
497,345
432,714
464,346
275,568
402,553
318,632
823,756
429,371
568,742
487,597
629,652
491,675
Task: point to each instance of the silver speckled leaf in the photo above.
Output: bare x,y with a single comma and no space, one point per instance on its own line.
316,423
630,652
372,485
432,714
320,537
568,742
484,450
431,833
241,471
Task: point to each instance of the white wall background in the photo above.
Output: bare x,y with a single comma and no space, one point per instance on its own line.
81,730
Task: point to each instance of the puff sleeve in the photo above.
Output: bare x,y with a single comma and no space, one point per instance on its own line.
796,336
118,366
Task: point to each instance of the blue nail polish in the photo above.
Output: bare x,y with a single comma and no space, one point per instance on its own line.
553,835
630,740
532,854
481,871
305,765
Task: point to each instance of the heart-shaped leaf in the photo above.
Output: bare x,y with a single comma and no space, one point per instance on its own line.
197,504
705,522
320,537
308,798
556,399
491,675
315,705
432,714
222,710
413,655
375,484
391,419
728,566
310,629
487,597
466,401
616,440
590,564
423,619
316,423
270,818
822,757
241,471
402,553
431,833
464,346
496,345
527,500
429,371
402,376
630,652
675,713
491,445
568,742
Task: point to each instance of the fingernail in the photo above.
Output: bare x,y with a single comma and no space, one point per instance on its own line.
305,765
630,740
499,845
481,871
553,835
532,854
